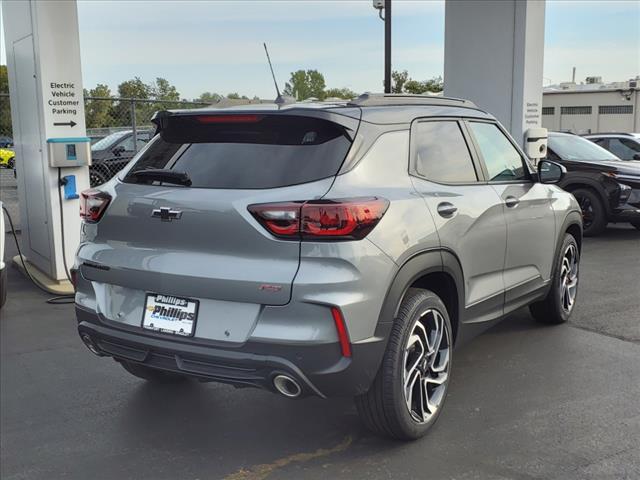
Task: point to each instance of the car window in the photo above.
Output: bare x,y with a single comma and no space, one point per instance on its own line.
573,147
441,153
127,144
603,142
247,151
502,160
108,141
623,148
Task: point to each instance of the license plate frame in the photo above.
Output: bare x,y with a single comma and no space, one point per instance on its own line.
178,305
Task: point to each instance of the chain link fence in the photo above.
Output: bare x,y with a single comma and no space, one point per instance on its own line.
118,128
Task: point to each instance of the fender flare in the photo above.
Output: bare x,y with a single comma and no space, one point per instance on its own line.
436,260
572,218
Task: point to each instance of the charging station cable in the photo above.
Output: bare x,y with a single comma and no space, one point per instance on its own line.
61,184
62,299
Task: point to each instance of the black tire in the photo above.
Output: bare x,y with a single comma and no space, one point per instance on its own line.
636,223
383,409
594,214
151,374
552,309
11,163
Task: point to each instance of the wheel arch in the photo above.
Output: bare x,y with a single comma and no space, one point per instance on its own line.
572,224
592,185
437,270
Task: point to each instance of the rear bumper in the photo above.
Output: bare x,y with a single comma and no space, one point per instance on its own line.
320,369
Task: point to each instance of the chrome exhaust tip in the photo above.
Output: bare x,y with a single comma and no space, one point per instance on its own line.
86,339
287,386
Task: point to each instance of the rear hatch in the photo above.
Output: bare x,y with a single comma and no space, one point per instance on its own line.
198,239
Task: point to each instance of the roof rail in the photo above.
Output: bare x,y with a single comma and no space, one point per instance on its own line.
627,134
380,99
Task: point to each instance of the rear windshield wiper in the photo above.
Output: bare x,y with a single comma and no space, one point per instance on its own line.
162,175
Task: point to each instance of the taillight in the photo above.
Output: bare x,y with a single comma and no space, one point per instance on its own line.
228,118
93,203
343,219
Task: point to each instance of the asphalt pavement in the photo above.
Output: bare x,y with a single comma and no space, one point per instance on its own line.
526,402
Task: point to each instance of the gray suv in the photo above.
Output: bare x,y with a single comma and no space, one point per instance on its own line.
323,249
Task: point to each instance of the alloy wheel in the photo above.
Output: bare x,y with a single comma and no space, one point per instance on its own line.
426,366
569,278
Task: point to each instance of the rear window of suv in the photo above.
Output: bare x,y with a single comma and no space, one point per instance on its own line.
246,151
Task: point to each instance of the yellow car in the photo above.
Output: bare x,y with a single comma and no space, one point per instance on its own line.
7,158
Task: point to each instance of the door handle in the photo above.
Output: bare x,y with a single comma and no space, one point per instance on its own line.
511,202
446,209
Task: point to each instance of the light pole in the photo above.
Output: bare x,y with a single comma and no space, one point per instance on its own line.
385,5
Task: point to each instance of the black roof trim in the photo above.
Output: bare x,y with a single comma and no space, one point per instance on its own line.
394,99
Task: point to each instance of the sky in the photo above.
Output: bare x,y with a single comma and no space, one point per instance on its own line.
216,46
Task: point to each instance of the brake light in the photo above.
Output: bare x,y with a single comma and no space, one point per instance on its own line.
228,118
343,219
341,328
93,204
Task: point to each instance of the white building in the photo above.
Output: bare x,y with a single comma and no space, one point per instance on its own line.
592,107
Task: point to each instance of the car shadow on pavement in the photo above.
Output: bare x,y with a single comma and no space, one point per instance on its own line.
617,232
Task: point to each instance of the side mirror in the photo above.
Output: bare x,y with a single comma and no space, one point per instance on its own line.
636,156
550,172
118,150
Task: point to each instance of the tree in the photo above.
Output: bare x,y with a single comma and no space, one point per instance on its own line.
208,97
5,107
305,84
163,90
398,79
433,85
236,96
345,93
134,88
402,83
98,112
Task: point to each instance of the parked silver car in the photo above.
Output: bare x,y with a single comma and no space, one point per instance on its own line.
323,249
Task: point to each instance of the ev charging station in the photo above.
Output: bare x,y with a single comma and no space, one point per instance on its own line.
493,56
47,109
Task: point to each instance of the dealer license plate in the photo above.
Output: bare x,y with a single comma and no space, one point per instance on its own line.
169,314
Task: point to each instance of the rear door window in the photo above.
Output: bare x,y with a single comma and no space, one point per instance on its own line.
441,153
623,148
247,151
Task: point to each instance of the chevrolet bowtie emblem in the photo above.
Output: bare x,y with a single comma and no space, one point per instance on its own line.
166,214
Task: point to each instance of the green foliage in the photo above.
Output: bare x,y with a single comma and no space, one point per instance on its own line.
345,93
98,113
161,90
134,88
209,97
5,107
306,84
402,83
398,79
433,85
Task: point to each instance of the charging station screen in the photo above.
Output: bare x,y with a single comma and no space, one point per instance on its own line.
71,152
